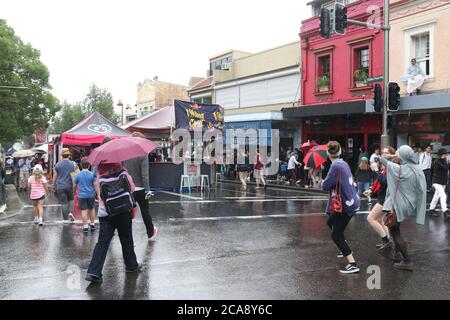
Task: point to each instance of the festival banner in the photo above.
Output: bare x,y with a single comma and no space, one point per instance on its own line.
191,116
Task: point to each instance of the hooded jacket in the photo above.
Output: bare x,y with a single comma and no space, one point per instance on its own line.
409,190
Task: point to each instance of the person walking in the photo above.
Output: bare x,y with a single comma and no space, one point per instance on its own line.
425,162
375,155
138,169
364,176
259,170
440,179
406,196
88,188
375,217
24,167
37,189
292,166
108,224
63,184
243,169
339,181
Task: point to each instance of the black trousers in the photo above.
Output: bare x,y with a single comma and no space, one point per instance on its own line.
123,223
139,196
400,243
337,224
427,173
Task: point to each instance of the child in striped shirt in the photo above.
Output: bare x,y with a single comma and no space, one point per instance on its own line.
37,188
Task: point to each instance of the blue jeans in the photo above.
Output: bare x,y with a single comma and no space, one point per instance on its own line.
123,223
363,186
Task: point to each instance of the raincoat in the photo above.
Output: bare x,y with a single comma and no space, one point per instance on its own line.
410,200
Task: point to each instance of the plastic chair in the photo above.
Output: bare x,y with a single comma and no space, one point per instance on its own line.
204,181
185,178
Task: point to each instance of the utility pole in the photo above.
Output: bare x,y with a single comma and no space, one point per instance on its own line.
384,135
386,28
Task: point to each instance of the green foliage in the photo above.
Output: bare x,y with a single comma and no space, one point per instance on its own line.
323,81
22,111
361,75
96,99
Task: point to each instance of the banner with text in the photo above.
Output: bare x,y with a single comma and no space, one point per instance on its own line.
191,116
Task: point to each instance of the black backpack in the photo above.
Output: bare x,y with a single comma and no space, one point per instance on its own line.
115,191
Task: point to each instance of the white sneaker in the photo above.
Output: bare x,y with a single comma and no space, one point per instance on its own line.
71,217
41,222
36,220
65,221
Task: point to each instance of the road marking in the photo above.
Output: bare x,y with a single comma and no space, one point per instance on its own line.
273,196
181,195
45,206
272,216
237,201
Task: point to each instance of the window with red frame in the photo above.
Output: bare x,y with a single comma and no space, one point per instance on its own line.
361,61
324,69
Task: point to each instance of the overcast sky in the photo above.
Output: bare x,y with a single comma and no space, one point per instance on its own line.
117,44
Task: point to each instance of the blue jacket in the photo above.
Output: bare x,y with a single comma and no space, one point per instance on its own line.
349,195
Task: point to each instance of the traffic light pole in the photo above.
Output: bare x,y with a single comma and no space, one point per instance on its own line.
386,28
384,135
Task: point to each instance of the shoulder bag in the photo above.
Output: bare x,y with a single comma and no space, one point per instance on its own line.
336,200
390,220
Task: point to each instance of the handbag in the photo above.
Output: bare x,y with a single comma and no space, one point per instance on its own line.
336,200
390,220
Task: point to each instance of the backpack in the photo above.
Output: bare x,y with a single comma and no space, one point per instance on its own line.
115,191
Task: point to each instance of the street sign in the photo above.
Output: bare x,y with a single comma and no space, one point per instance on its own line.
374,79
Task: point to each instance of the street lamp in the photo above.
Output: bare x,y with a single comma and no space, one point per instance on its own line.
120,104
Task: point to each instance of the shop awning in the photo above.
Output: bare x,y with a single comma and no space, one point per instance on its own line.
352,107
159,121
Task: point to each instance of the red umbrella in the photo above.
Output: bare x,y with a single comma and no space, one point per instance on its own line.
316,156
122,149
307,146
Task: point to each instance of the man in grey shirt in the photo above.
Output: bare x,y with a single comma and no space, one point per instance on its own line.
138,169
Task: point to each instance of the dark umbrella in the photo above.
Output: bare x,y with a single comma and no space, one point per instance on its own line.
316,156
39,151
307,146
121,149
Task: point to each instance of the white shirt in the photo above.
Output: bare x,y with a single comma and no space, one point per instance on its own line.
425,160
373,157
292,163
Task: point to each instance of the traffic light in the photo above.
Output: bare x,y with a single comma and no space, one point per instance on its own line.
325,23
377,98
394,96
340,18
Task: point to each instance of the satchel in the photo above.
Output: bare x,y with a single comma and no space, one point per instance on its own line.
390,219
336,200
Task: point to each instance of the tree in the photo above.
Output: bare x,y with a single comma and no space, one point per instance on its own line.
100,100
67,118
29,104
96,99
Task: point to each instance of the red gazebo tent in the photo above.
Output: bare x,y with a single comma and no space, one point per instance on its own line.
91,130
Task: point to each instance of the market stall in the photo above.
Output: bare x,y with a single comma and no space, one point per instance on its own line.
159,125
82,138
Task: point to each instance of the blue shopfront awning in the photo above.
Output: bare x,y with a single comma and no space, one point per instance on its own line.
264,128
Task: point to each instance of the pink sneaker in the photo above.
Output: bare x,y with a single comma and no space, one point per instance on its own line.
155,232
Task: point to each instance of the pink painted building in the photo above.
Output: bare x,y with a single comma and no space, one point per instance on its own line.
335,103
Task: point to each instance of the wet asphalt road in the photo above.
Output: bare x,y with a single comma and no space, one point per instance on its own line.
230,244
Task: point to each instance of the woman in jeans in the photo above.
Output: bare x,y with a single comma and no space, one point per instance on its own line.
108,224
363,176
407,194
340,172
375,218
